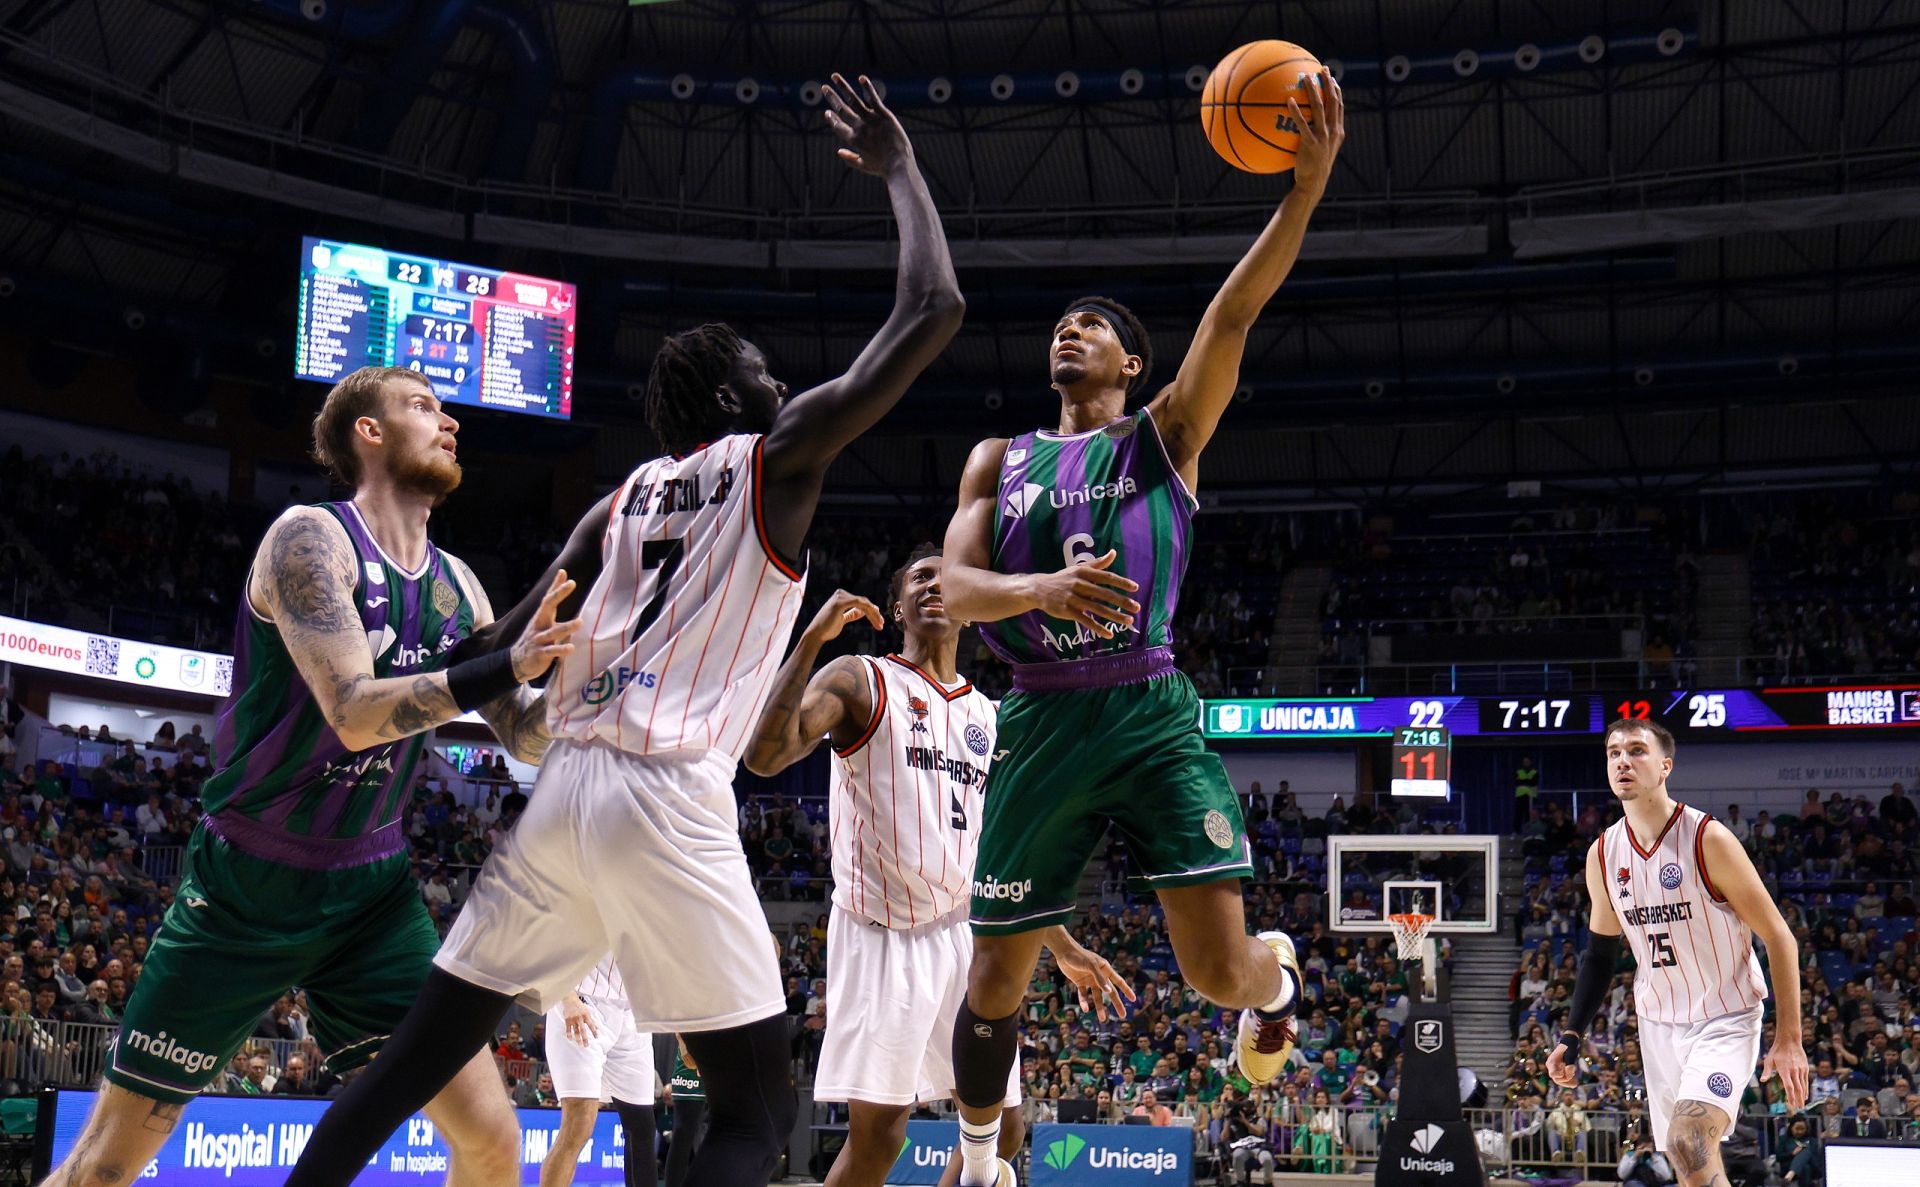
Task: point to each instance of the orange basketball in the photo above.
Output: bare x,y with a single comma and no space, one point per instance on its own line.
1244,105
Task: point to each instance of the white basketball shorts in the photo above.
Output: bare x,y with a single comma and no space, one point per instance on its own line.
892,996
637,854
1710,1061
616,1063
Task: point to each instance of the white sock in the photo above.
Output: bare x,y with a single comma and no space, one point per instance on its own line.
1283,1000
979,1152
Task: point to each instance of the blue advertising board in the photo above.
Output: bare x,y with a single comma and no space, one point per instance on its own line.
251,1141
924,1158
1111,1156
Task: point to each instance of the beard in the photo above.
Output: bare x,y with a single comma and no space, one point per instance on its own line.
435,476
1066,371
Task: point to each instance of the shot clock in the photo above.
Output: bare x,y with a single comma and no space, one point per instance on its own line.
1422,761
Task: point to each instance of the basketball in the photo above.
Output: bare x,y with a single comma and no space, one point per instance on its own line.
1244,105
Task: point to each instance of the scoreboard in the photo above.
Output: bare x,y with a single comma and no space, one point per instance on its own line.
482,337
1698,715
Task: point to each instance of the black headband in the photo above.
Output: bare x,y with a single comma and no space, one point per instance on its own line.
1118,326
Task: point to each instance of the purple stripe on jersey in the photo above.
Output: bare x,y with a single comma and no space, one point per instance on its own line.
1016,549
1137,552
304,852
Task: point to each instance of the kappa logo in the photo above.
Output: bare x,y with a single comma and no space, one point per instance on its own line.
1428,1033
1019,501
1428,1137
919,708
1670,875
1624,877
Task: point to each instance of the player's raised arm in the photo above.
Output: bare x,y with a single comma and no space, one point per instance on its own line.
1083,592
834,701
1729,874
303,580
1188,409
518,717
1596,973
816,425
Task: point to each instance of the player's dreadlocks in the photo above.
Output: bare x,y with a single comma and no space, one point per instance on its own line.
688,368
1130,331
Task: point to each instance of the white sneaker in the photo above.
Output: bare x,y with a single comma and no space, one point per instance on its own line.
1265,1044
1003,1175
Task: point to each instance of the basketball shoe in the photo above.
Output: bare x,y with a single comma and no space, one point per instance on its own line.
1265,1040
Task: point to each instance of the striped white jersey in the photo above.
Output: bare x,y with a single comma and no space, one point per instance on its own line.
907,798
1696,958
684,629
603,986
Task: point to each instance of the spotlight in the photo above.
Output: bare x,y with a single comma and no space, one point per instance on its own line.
940,90
264,347
1643,375
1593,47
1788,364
994,400
1526,58
7,286
1132,82
1465,63
314,10
1336,67
1376,388
1670,42
681,86
1067,85
1001,87
134,319
1398,68
1504,383
746,90
1243,393
810,93
636,390
1197,78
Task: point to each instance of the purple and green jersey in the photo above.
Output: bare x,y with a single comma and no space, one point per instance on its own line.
285,789
1065,499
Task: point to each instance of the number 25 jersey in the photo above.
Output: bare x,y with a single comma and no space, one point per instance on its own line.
685,626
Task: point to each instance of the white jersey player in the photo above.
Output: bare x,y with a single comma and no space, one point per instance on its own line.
912,742
1684,892
596,1056
629,842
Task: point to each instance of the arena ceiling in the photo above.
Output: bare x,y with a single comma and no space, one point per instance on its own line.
1539,204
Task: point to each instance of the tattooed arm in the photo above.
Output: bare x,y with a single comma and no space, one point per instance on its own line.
801,711
518,718
302,581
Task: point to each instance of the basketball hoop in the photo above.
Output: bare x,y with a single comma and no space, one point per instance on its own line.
1410,933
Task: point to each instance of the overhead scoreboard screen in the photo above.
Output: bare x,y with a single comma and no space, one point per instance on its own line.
1697,714
483,338
1422,763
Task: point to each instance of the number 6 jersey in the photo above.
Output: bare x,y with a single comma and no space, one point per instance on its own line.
684,628
1695,956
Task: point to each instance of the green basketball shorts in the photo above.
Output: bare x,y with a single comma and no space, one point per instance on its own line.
242,931
1071,763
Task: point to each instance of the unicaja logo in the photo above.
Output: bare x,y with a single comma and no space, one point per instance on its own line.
166,1050
1018,501
1426,1139
1065,1152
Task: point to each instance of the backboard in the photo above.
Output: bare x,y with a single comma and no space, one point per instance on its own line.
1454,879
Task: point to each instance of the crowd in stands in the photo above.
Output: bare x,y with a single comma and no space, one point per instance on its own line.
1836,586
1843,871
168,558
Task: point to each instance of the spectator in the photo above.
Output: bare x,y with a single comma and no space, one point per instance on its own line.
536,1093
1644,1166
293,1080
1151,1108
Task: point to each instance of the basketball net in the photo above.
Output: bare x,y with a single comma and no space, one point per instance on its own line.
1410,934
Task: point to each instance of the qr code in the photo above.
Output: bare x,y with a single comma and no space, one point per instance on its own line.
223,674
103,656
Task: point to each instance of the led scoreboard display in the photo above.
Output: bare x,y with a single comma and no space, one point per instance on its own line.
482,337
1422,761
1701,715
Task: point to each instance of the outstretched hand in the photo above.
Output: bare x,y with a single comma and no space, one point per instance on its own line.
545,639
871,139
1323,130
840,611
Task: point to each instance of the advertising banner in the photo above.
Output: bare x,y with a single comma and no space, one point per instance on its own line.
252,1141
108,658
1111,1156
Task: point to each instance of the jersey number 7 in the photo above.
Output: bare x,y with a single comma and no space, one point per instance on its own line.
662,557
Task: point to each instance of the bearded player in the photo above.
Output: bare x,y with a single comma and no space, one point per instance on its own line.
1070,544
912,742
630,842
298,873
1682,888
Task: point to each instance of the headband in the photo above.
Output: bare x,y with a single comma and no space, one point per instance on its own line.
1118,326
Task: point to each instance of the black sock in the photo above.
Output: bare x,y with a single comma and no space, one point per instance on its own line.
689,1116
450,1021
642,1169
748,1075
983,1051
